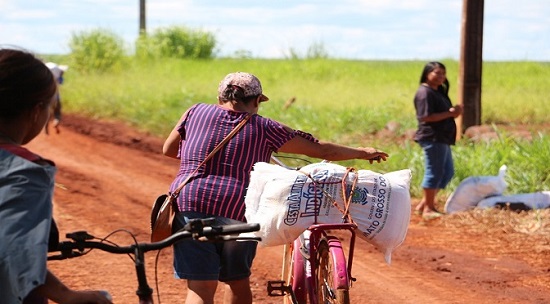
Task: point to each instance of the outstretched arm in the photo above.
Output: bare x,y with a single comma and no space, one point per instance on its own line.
331,151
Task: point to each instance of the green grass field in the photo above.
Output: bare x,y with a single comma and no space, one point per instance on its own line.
337,100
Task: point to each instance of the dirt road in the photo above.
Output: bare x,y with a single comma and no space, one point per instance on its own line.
109,175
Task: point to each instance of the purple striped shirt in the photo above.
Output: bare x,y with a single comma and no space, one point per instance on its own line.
220,185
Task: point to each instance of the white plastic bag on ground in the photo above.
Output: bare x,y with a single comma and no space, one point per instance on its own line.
475,188
284,202
535,200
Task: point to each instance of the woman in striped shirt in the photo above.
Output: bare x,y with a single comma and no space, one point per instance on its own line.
219,187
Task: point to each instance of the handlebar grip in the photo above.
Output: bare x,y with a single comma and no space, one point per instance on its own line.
232,229
240,228
106,294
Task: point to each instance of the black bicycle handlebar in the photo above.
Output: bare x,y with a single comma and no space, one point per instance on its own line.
197,229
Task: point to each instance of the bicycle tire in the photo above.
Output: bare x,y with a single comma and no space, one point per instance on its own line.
295,274
332,274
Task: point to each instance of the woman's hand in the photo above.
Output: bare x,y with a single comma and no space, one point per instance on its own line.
87,297
374,155
58,292
456,110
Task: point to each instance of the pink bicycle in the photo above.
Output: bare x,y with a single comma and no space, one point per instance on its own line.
315,269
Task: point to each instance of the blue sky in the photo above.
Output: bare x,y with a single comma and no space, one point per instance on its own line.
353,29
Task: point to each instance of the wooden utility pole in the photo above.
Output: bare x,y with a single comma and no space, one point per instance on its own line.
471,60
142,27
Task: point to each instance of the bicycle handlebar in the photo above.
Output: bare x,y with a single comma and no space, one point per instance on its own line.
277,160
199,229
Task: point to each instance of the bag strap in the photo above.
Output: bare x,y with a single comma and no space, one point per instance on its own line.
216,149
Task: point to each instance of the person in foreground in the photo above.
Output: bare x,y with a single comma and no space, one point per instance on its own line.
27,89
219,188
435,134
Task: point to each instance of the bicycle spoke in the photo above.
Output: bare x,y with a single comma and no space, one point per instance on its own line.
327,290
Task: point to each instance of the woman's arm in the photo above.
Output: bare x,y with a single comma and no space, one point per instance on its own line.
331,151
56,291
172,143
453,112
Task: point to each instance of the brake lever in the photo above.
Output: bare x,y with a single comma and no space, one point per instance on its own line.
79,236
67,250
196,226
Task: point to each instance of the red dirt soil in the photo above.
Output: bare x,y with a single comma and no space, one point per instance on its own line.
109,175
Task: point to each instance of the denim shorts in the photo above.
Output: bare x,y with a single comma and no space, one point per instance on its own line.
438,165
223,261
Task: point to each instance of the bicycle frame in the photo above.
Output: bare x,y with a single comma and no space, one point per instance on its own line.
342,276
199,229
304,253
303,259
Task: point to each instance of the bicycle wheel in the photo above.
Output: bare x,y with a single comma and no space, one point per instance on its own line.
332,273
294,273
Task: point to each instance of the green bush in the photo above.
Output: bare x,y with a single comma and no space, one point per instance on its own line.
95,50
176,42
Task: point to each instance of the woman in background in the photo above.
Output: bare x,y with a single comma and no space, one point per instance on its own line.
435,134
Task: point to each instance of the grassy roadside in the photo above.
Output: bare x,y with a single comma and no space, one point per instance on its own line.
338,100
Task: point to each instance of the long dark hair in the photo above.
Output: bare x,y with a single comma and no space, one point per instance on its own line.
428,68
25,81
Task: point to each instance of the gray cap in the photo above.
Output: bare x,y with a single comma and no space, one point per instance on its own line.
249,83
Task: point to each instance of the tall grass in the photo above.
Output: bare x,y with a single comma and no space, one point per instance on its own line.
365,95
337,100
516,92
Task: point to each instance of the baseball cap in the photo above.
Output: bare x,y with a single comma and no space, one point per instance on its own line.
249,83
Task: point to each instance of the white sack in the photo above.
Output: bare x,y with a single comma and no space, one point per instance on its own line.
536,200
283,201
475,188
